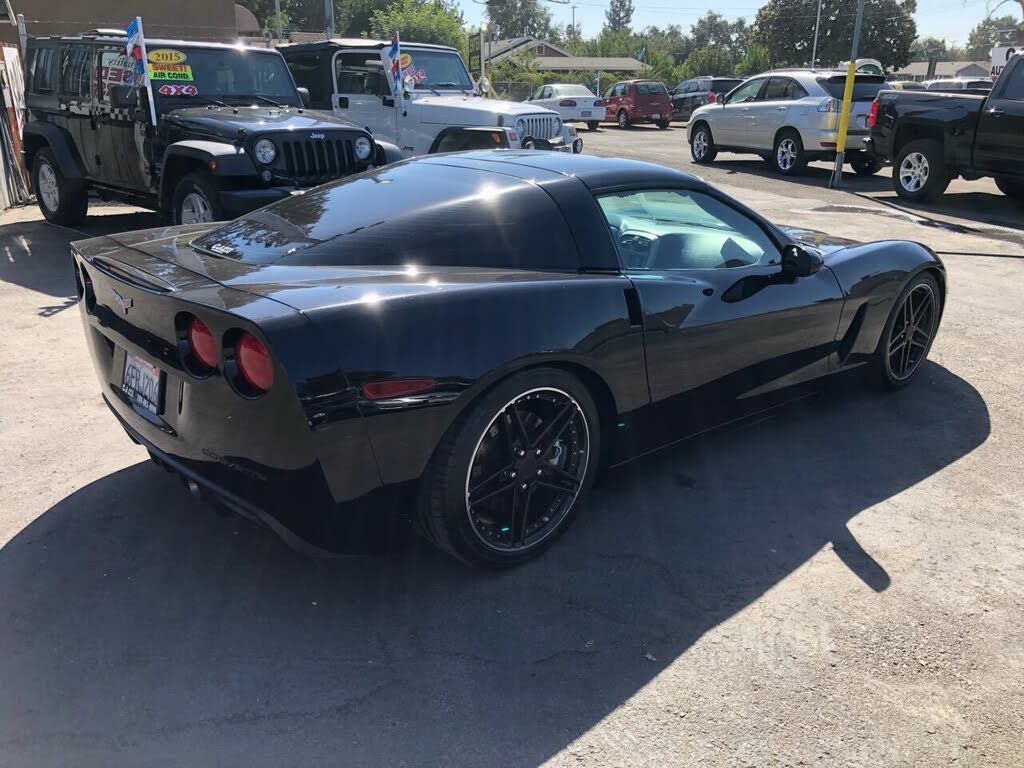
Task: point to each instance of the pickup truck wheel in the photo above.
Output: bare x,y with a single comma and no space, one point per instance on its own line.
514,471
63,201
593,124
702,145
788,157
196,201
1011,187
919,172
623,119
864,166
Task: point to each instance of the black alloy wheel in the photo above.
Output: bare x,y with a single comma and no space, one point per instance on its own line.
508,479
909,332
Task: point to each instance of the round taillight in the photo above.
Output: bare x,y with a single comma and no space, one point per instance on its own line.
254,362
202,343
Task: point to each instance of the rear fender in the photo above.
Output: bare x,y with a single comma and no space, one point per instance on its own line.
38,135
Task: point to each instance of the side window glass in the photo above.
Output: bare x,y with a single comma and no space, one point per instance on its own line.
43,70
116,68
76,72
776,90
746,92
307,73
663,229
1014,88
361,73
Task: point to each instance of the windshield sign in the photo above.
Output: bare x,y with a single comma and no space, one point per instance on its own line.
231,76
435,69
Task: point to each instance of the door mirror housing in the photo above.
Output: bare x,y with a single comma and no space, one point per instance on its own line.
799,262
123,97
304,96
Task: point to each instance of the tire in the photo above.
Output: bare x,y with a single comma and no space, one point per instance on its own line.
593,124
887,368
623,120
1011,187
865,166
63,201
788,156
192,191
478,449
919,171
702,145
663,124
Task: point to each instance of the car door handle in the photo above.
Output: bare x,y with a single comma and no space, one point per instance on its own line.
780,109
995,112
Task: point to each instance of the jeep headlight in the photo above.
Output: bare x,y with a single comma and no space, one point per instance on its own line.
521,127
558,124
264,151
363,148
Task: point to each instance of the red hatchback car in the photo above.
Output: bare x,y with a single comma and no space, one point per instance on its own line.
638,101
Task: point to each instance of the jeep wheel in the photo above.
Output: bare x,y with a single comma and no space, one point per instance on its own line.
196,200
62,201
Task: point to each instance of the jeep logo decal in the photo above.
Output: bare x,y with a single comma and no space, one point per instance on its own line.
317,136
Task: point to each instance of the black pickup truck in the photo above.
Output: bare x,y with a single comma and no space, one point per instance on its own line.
932,137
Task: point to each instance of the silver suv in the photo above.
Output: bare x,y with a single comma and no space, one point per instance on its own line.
789,117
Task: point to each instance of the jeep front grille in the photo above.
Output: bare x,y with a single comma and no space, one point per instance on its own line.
541,126
313,161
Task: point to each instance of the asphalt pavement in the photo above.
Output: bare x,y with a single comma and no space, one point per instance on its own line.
841,583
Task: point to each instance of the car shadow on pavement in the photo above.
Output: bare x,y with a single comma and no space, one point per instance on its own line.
975,207
814,175
34,254
137,627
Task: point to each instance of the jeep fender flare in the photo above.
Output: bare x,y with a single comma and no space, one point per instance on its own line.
38,135
387,153
215,157
457,129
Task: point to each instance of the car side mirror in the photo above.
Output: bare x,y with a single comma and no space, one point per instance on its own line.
799,262
304,96
123,97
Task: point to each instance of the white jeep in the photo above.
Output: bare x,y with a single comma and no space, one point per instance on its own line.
442,109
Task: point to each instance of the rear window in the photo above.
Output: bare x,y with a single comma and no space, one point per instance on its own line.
572,90
980,84
865,87
417,213
650,89
723,85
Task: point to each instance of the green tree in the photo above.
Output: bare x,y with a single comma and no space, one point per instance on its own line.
420,21
708,61
671,40
990,32
924,48
786,28
754,60
516,18
713,30
619,15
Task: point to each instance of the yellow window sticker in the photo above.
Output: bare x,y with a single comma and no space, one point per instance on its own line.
177,72
167,56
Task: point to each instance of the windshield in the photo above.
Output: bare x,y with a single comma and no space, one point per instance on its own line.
228,75
572,90
436,69
722,85
865,87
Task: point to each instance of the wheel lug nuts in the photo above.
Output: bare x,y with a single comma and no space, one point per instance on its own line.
524,486
537,452
512,475
540,472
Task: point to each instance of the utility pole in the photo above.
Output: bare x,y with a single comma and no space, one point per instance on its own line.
329,18
574,19
277,12
844,116
817,26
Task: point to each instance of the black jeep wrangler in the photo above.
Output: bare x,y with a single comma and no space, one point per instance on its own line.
231,131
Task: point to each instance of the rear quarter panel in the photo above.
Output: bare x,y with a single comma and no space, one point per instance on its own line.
469,337
905,116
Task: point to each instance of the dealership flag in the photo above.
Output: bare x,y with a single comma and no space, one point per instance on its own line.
135,46
596,83
395,63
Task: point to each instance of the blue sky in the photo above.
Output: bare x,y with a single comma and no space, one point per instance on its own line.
951,19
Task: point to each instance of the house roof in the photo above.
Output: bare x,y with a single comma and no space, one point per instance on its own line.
589,64
504,49
943,69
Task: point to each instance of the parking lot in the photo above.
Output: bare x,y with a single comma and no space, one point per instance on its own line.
840,583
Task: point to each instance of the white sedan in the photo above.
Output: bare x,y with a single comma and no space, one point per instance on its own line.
574,103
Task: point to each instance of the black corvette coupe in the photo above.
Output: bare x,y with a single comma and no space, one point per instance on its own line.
477,335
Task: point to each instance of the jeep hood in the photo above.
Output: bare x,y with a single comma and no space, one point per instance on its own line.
228,121
457,109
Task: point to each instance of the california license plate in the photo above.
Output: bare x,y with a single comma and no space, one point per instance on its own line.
586,113
656,117
141,383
